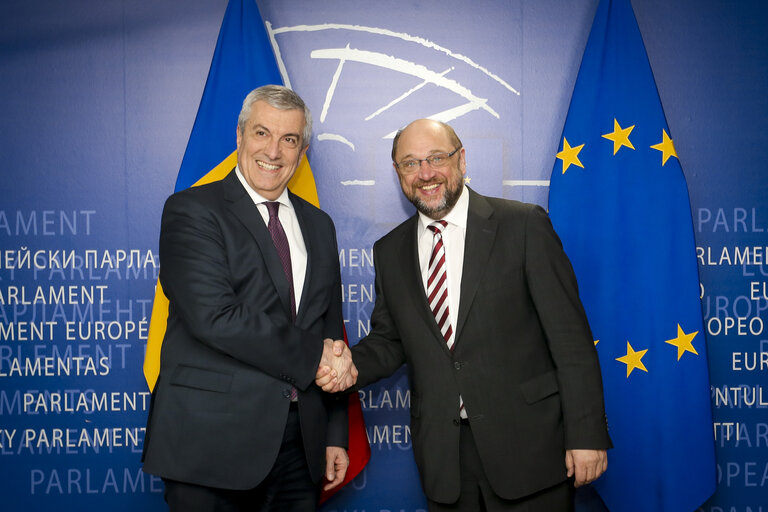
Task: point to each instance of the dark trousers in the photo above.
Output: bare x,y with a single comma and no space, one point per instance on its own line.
477,495
288,487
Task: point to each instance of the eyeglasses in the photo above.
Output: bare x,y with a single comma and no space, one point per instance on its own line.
437,160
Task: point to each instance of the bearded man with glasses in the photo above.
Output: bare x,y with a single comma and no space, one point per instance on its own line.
476,295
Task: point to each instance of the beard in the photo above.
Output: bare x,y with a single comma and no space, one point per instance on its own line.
445,205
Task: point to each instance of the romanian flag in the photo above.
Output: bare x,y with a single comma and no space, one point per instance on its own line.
619,201
243,60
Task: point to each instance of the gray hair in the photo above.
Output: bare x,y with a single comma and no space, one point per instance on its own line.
281,98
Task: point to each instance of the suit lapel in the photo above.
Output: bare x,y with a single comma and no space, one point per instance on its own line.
481,233
242,206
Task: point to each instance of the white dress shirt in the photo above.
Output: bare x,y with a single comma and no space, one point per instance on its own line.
454,235
290,222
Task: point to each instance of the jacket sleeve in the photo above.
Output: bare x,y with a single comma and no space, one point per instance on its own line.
381,353
554,291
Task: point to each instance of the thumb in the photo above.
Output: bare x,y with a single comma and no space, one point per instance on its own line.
569,463
330,469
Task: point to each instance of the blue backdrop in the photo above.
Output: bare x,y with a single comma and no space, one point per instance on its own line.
98,100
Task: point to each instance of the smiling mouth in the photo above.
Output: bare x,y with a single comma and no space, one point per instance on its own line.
430,187
266,166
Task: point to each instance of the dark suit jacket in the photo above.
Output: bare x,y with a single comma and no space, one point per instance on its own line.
524,360
231,352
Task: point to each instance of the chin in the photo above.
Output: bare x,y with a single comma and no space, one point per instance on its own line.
429,209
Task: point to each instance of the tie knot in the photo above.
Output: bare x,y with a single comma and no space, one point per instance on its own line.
272,207
438,226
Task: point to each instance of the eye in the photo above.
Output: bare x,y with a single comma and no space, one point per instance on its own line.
409,164
436,159
291,141
260,133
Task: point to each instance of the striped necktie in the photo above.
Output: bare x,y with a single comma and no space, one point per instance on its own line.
437,283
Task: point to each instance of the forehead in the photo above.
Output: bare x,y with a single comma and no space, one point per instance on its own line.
423,138
276,120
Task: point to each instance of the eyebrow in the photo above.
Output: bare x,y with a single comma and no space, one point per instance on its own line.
431,152
256,126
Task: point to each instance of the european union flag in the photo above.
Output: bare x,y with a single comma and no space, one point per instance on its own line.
619,201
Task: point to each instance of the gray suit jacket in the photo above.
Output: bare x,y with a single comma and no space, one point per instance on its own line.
524,360
231,352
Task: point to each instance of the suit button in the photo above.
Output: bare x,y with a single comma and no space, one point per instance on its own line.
287,393
456,422
457,365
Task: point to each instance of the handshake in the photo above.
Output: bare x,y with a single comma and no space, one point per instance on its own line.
336,372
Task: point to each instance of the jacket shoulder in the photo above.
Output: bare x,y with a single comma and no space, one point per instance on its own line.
311,212
404,229
201,193
512,207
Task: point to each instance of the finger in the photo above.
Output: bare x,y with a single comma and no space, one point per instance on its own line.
341,470
569,464
338,477
332,484
338,347
345,383
342,464
584,473
328,388
348,382
579,478
330,472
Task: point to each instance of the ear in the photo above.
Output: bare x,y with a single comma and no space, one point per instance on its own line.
238,136
462,162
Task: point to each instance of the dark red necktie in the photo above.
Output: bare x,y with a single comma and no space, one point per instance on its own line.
283,250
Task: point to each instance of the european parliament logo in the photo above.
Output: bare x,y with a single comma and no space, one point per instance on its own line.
363,83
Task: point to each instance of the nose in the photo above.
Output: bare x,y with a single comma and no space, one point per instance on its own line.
426,171
272,149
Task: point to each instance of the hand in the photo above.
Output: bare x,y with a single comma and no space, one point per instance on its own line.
336,464
325,377
336,372
585,465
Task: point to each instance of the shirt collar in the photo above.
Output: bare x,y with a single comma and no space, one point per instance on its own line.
257,198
